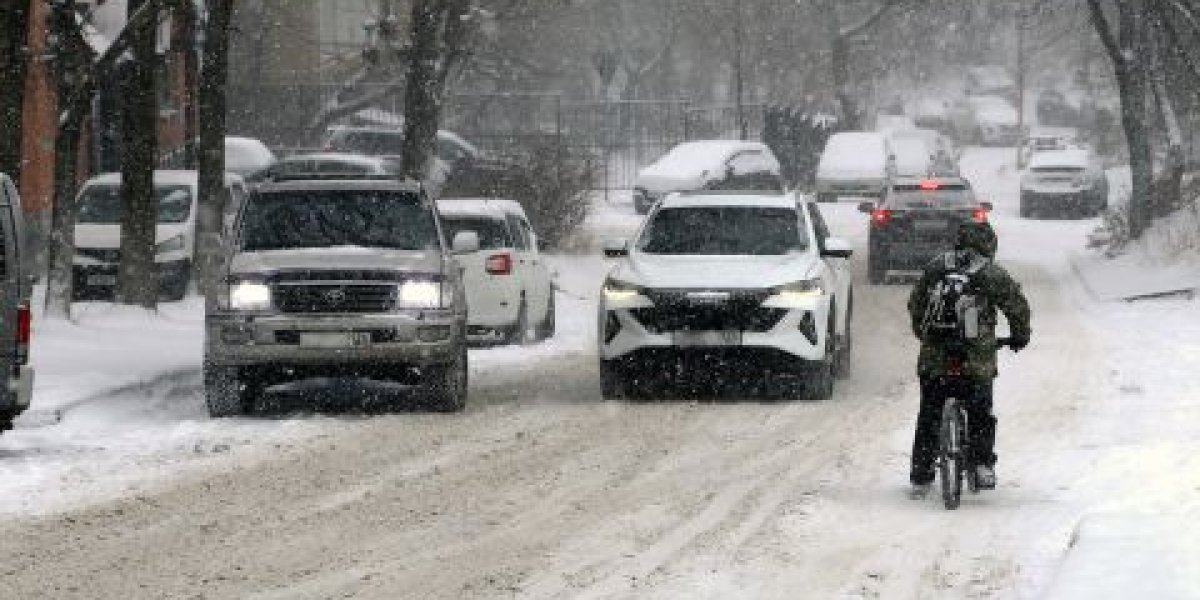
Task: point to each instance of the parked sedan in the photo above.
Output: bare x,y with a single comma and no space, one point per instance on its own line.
510,296
1066,182
715,282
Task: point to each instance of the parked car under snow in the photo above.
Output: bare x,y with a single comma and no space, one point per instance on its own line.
708,165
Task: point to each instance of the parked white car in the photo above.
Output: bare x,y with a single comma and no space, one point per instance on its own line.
943,152
988,120
716,281
510,292
707,164
98,231
855,163
1066,182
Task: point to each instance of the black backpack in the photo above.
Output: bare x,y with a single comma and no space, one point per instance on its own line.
955,303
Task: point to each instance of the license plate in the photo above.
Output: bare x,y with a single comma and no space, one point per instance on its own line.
707,338
102,280
929,225
334,339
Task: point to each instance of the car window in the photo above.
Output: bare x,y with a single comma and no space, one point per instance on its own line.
725,230
342,167
493,233
514,225
749,162
948,196
101,204
371,143
329,219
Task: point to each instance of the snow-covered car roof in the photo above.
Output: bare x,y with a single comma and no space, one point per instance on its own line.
338,157
691,164
993,108
162,177
1069,157
912,156
698,199
495,208
851,154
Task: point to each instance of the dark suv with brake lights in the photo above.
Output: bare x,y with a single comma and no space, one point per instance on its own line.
348,278
916,220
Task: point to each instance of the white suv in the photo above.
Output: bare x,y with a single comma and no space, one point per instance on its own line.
510,296
715,281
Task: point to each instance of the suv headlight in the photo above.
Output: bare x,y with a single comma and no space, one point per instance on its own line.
174,244
249,296
802,290
419,294
616,290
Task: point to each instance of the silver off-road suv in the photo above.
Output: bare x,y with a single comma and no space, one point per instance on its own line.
16,284
338,278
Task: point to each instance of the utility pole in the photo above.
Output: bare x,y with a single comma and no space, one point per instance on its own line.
1022,67
739,79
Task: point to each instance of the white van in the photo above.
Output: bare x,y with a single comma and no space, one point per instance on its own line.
510,295
855,163
98,231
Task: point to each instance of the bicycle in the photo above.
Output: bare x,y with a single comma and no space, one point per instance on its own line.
954,461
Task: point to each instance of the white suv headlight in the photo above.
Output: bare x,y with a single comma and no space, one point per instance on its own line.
619,291
250,296
419,294
174,244
800,291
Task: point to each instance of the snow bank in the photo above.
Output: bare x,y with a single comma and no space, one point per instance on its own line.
1130,556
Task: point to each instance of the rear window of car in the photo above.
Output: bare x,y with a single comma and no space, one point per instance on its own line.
492,233
946,196
372,143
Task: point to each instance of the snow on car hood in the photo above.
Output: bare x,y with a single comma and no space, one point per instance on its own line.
714,272
350,258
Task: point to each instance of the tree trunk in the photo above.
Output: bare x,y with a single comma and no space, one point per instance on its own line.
209,220
137,277
438,39
14,23
839,67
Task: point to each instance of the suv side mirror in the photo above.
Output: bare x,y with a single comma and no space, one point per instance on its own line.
837,248
465,242
866,207
616,248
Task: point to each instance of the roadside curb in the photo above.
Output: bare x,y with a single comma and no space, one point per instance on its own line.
36,418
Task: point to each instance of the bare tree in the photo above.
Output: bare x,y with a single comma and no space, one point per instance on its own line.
14,22
841,39
1129,50
440,29
137,278
212,147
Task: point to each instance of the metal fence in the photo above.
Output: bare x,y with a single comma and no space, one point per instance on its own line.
620,136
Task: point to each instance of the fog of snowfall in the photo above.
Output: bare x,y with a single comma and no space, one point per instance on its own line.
122,480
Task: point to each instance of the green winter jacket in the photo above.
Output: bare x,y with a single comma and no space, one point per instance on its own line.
1000,292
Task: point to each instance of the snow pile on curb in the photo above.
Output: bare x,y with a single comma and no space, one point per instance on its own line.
1165,261
1130,556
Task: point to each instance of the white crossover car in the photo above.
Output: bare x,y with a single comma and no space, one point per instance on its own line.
510,295
715,282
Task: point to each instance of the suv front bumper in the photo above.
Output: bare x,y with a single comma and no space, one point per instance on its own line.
419,338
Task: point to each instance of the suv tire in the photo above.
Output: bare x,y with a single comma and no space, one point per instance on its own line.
819,383
447,385
876,270
612,381
841,363
1025,211
224,393
546,328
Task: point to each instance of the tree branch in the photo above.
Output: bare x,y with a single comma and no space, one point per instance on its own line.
1100,24
869,21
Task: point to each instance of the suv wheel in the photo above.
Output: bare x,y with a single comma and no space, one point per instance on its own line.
876,270
841,365
224,391
447,385
519,333
819,385
547,326
612,381
1025,211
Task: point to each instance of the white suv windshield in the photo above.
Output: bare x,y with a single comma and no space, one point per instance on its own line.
329,219
101,204
715,230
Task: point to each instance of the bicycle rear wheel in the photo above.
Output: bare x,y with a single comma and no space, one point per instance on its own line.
950,454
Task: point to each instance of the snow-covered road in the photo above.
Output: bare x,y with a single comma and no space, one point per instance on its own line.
541,490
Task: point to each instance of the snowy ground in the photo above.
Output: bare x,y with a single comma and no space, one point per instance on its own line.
541,490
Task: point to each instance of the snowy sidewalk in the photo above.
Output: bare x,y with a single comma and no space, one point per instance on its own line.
1130,556
1133,277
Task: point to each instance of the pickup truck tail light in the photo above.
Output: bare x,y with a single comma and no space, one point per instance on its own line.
499,264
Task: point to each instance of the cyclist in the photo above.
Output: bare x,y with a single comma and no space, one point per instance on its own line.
995,289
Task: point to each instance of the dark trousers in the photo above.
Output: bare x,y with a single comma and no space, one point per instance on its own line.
981,428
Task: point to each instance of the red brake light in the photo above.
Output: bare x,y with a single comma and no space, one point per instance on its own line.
498,264
880,217
930,185
979,215
23,333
